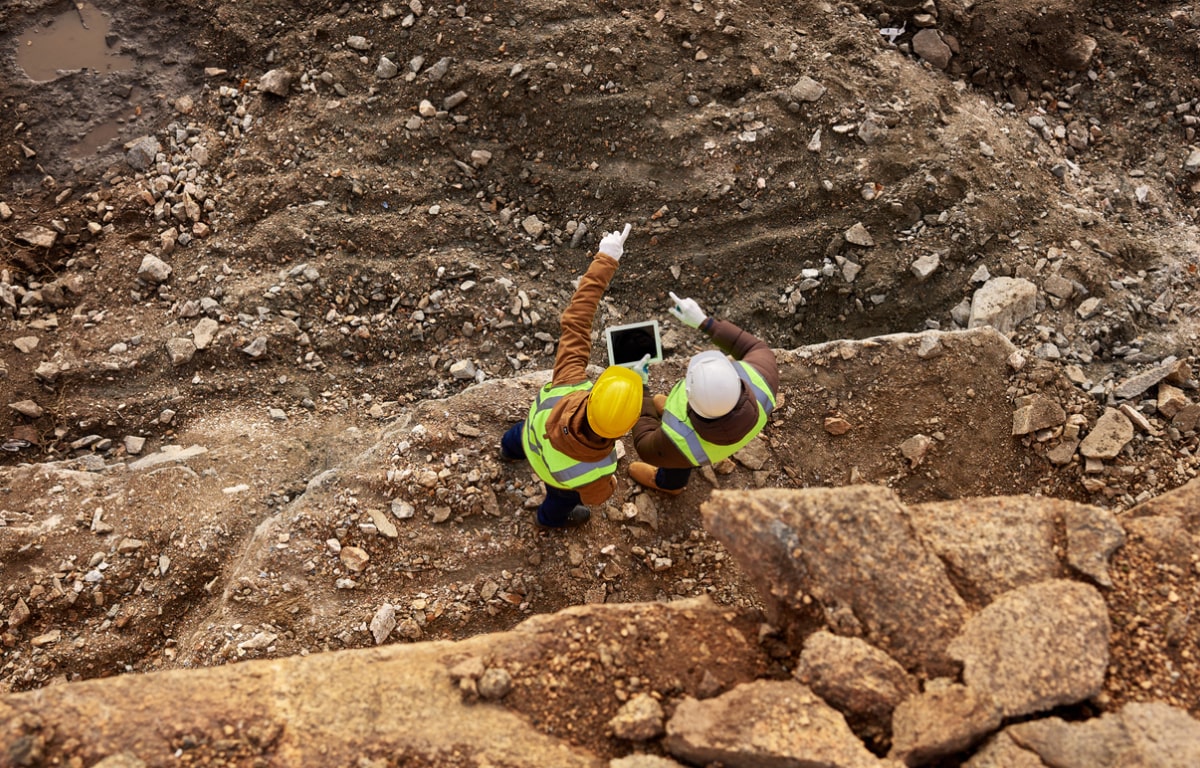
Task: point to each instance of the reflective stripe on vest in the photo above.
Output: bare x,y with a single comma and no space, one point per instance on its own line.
552,465
699,451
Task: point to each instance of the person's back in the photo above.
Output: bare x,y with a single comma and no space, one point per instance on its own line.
719,406
570,434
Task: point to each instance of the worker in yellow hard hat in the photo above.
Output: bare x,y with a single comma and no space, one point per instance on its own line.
570,435
713,412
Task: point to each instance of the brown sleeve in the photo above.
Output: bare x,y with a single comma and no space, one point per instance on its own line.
744,346
575,335
597,491
651,442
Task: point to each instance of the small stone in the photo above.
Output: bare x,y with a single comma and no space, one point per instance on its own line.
128,546
639,719
409,630
806,89
930,347
929,45
533,226
259,641
26,344
256,348
814,142
1057,285
383,622
1187,419
495,683
180,350
858,235
386,69
872,131
204,332
1135,385
1037,414
1062,453
925,266
1003,303
276,82
19,614
49,638
354,558
836,425
915,448
134,445
1088,307
1138,419
154,269
463,370
27,408
385,526
1112,431
141,152
1077,54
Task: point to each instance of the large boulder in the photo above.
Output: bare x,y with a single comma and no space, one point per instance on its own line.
996,544
856,678
1037,647
846,557
763,724
1145,734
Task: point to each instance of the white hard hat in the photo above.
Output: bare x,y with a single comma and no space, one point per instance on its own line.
712,384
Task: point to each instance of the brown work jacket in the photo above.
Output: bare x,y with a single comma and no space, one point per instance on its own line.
567,426
654,446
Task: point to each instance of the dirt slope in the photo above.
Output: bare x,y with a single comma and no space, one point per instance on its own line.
366,255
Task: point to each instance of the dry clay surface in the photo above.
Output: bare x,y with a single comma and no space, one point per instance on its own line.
356,277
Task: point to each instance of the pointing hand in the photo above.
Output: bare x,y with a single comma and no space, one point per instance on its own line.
613,244
687,311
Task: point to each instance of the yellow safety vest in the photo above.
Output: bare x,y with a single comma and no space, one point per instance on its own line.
553,466
678,426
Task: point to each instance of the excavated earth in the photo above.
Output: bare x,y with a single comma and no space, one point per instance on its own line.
272,292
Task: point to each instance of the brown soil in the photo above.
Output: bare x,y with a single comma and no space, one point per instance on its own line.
421,253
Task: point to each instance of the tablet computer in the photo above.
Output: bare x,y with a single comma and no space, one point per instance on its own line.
628,344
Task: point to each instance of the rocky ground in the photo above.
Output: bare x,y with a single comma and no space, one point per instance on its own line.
325,256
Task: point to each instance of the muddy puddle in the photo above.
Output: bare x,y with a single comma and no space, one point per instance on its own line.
78,38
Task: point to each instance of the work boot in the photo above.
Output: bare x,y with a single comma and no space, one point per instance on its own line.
643,474
575,518
660,403
505,457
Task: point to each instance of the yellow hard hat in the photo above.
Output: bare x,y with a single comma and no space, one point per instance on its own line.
615,402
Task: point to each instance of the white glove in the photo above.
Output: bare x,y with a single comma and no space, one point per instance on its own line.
687,311
613,244
642,368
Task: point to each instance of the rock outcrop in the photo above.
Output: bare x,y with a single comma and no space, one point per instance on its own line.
983,683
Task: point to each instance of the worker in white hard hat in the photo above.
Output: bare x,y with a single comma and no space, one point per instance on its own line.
718,407
570,435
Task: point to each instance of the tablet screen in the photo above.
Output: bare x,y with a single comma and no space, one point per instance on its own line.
630,343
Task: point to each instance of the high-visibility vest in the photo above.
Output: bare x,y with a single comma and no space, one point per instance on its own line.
678,426
552,465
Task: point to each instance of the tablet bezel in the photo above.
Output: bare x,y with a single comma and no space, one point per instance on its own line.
608,337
